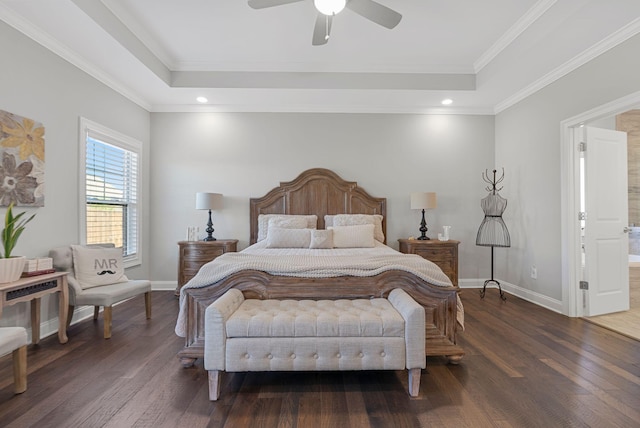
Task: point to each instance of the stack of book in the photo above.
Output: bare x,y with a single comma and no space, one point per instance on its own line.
39,266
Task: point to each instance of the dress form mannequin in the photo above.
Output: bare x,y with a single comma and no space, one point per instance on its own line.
493,231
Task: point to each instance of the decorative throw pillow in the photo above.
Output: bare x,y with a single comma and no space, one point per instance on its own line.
328,221
98,266
263,222
278,237
358,236
321,239
287,223
357,219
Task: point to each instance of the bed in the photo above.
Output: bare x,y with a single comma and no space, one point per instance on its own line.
323,193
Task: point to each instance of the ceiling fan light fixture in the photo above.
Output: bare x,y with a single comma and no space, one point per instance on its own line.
329,7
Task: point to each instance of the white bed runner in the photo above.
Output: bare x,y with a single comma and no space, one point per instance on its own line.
310,266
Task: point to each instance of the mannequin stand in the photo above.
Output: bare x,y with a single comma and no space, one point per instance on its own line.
484,289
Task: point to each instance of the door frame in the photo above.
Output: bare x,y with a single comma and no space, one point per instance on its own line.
570,197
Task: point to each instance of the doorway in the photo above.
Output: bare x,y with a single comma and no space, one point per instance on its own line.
628,322
572,296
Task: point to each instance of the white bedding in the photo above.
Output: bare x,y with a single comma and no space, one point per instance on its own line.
312,263
260,248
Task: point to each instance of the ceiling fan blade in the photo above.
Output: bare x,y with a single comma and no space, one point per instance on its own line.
261,4
322,30
375,12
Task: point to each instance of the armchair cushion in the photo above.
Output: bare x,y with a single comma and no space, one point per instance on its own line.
107,295
98,266
11,338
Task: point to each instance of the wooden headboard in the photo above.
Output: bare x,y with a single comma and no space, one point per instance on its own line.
316,191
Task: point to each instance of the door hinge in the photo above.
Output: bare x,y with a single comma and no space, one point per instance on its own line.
584,285
582,147
582,215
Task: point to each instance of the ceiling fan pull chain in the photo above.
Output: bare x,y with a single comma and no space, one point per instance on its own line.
326,34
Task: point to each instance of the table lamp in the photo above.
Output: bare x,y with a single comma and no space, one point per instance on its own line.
209,201
423,201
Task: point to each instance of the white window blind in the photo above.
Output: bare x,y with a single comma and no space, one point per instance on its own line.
111,191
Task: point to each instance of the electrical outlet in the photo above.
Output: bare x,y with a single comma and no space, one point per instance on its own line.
534,272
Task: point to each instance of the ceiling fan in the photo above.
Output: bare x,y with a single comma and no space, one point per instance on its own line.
327,9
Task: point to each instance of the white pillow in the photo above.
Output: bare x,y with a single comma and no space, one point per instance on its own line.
356,219
321,239
98,266
287,223
263,222
358,236
288,238
328,221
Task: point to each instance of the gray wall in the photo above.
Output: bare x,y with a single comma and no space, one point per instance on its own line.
528,146
245,155
40,85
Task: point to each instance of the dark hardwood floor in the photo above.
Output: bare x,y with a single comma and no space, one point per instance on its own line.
525,367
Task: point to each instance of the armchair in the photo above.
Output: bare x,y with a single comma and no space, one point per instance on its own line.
89,294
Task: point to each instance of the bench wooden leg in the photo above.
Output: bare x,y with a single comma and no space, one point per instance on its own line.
20,369
214,384
107,316
96,311
414,382
147,304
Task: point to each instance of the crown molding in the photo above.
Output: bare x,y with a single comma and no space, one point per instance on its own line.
610,42
512,33
309,108
48,42
319,67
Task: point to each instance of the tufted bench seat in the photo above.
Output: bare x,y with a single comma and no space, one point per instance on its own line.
309,335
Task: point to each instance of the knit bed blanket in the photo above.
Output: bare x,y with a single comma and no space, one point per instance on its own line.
312,266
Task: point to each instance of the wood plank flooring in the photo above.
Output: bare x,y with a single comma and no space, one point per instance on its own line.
525,367
626,322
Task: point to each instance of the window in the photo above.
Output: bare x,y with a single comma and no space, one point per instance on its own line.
110,170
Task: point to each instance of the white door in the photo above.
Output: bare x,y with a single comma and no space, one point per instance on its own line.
606,239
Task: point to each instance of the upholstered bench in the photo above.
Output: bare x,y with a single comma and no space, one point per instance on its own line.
310,335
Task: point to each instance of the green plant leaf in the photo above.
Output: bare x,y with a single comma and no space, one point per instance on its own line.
13,228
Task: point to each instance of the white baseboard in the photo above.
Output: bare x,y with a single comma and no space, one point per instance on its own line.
50,327
523,293
164,285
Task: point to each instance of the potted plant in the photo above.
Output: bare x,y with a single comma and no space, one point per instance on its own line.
11,266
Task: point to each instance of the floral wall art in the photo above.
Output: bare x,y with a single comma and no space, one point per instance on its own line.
22,161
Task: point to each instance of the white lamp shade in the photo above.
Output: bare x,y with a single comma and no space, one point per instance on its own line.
208,201
423,200
330,7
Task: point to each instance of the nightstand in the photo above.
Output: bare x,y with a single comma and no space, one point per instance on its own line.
194,254
442,253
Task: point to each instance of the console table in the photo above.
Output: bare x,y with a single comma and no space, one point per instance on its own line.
32,289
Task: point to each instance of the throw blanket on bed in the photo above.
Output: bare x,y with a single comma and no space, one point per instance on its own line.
307,266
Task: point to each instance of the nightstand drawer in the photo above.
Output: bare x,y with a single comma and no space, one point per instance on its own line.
202,254
194,254
442,253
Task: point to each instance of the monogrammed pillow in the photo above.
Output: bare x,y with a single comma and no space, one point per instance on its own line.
98,266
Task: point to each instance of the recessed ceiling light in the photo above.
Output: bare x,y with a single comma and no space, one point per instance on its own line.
447,101
201,100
